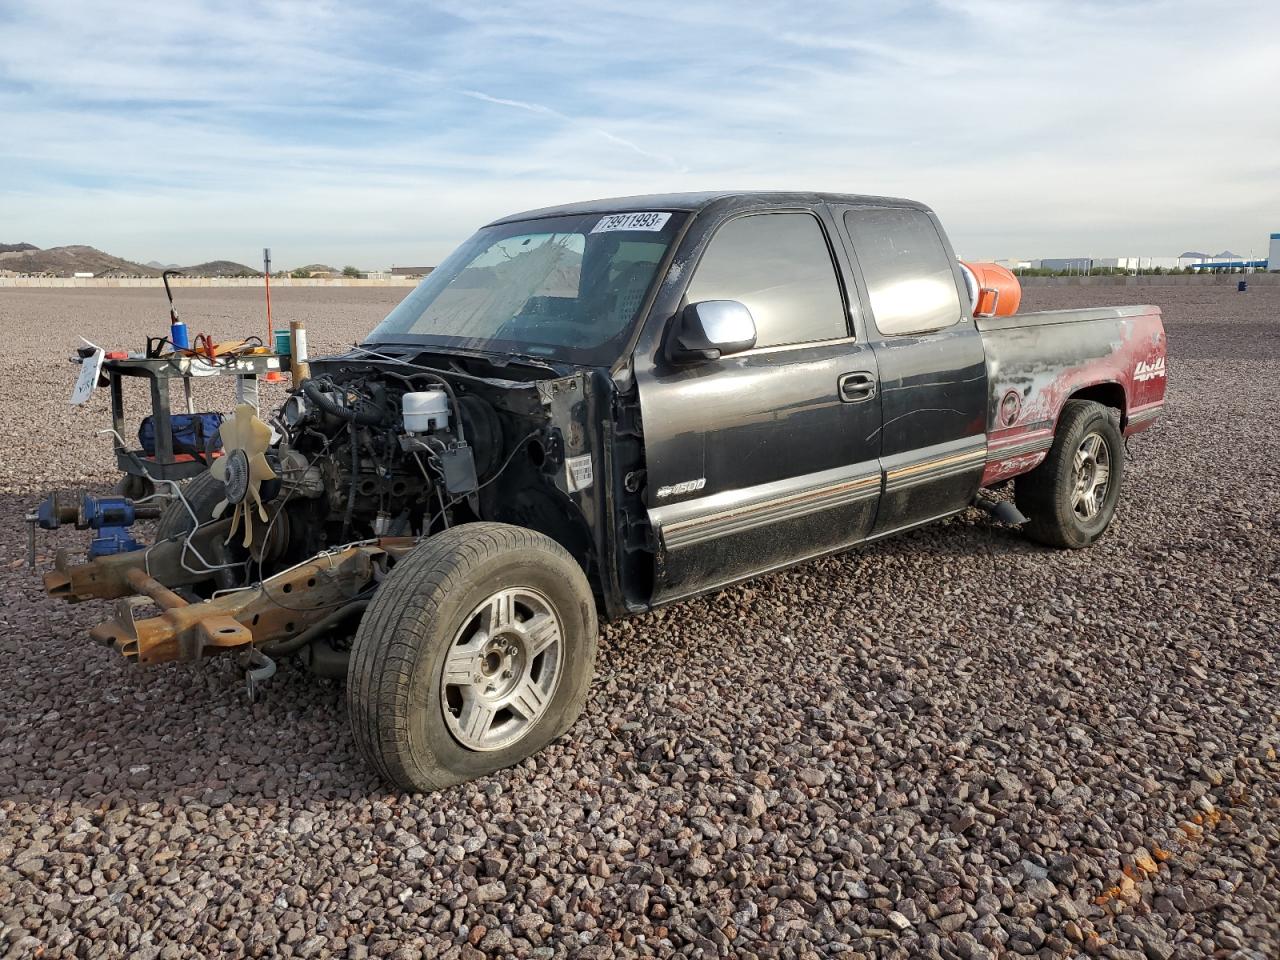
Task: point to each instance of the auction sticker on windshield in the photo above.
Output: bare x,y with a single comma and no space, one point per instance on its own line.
631,221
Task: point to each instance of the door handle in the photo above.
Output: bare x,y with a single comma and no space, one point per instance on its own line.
856,387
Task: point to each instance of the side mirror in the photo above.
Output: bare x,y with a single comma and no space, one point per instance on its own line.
713,329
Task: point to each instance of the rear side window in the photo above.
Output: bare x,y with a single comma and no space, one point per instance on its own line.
907,270
779,266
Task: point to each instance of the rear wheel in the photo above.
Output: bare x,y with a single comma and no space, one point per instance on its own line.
1071,497
476,652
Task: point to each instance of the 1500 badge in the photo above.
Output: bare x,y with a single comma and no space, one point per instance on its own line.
679,489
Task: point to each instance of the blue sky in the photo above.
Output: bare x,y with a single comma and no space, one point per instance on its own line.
385,132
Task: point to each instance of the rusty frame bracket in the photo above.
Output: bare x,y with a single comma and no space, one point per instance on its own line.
279,607
107,578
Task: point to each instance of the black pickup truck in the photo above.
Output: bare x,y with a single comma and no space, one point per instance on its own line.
594,409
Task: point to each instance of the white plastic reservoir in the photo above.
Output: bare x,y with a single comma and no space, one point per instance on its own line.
425,411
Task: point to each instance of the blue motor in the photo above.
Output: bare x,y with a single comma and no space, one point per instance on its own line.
109,517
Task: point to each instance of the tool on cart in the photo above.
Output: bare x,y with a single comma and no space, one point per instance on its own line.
299,367
273,376
177,329
177,335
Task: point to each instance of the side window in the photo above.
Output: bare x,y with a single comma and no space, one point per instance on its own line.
907,270
778,265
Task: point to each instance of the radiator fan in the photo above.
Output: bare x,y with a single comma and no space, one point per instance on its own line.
243,468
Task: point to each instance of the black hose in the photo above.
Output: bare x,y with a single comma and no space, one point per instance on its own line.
355,476
316,630
366,418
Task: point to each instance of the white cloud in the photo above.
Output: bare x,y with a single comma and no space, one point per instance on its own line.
380,133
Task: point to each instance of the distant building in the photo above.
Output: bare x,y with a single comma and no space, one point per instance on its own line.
1273,254
411,271
1064,264
1138,263
83,275
1190,260
1216,264
374,275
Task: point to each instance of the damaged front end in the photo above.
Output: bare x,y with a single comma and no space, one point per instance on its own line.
291,533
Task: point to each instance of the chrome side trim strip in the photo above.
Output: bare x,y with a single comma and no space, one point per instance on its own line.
696,521
947,460
1149,413
998,454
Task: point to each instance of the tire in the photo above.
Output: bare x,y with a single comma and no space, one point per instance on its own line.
1059,515
437,608
204,492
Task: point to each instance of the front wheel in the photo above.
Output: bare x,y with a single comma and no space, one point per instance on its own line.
476,652
1071,497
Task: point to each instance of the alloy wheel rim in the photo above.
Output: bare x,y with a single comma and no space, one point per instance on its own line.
1091,476
502,668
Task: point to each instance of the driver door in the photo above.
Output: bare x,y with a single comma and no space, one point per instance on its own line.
768,456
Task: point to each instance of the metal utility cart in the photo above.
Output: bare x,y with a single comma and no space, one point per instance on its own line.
160,372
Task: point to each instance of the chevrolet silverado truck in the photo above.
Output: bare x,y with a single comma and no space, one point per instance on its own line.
591,410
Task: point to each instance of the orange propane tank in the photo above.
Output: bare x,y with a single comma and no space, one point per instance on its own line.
993,290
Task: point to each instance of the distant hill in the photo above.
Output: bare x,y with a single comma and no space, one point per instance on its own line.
26,258
1224,255
220,268
70,260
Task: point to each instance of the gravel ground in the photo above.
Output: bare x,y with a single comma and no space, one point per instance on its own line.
952,744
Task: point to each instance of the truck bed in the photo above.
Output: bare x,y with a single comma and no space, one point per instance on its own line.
1037,361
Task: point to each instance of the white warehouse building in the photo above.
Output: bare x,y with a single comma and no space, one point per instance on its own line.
1273,254
1143,263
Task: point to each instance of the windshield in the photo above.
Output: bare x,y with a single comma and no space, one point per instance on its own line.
561,287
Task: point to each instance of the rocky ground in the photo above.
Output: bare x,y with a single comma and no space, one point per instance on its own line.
954,744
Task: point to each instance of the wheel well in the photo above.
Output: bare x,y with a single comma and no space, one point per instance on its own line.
539,506
1107,394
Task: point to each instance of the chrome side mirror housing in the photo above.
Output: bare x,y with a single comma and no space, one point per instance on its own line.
712,329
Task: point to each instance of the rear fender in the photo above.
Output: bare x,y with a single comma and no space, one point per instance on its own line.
1116,361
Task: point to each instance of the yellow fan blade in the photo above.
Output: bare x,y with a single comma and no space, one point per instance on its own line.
257,498
231,429
235,517
219,468
259,469
259,436
218,509
247,426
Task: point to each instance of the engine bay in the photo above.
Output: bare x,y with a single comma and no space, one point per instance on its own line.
369,447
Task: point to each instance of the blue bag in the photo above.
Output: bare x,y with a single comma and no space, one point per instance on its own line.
193,433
